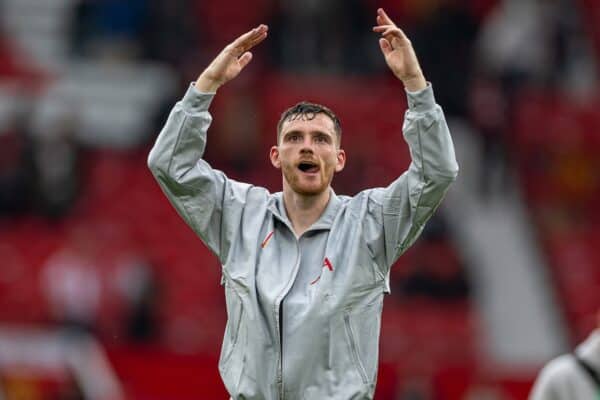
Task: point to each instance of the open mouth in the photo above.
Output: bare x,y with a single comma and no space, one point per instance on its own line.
308,166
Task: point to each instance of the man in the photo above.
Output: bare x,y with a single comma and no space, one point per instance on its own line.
304,270
572,376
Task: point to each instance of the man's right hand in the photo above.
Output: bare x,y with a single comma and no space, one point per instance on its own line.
230,62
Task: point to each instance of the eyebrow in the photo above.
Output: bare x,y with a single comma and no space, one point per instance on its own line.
312,133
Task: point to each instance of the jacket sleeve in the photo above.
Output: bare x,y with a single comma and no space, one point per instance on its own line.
397,213
205,198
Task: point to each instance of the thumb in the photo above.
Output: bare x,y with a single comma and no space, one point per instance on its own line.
245,59
385,46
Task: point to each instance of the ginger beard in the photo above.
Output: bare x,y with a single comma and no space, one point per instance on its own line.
308,155
309,176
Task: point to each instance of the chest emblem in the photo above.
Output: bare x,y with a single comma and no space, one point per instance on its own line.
326,264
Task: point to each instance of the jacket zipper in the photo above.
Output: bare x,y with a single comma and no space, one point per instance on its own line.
279,317
280,369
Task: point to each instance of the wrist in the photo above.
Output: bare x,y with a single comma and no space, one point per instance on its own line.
206,85
415,83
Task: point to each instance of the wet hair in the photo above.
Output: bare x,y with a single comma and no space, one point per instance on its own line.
309,111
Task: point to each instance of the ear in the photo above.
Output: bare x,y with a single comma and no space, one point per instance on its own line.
274,156
341,160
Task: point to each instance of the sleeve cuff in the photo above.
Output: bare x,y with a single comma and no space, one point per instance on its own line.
195,100
422,100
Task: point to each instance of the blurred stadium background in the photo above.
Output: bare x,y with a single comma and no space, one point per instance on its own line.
106,294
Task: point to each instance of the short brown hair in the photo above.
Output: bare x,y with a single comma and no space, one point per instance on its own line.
308,110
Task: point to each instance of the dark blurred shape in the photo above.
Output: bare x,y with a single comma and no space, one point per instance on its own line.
488,112
70,390
56,159
445,41
415,388
16,169
140,289
332,37
109,28
171,32
436,272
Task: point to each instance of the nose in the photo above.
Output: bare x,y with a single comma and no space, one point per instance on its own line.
307,146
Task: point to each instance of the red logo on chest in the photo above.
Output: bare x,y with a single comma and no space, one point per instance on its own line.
327,263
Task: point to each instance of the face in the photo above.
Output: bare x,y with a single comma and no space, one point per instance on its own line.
308,154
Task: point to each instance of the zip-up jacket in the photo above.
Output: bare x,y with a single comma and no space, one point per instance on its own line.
303,312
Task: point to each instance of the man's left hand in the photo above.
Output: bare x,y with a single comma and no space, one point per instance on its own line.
399,53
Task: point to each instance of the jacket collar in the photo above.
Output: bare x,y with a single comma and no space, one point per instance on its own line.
589,350
277,208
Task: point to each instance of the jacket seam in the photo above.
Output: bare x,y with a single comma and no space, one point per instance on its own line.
379,271
236,335
354,349
176,145
423,173
401,245
179,179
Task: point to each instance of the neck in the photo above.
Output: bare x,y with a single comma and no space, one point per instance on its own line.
304,210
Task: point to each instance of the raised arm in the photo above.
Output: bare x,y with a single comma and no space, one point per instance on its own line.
398,212
204,197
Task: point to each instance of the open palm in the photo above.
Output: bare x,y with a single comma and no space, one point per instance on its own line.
231,60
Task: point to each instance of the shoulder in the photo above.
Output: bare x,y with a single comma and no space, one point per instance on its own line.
242,194
561,366
365,195
244,187
557,371
355,205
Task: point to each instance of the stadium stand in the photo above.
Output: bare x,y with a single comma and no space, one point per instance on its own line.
557,146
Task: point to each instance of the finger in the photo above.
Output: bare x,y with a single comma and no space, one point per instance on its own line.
237,51
385,46
250,38
402,35
391,33
382,28
381,20
245,38
245,59
384,17
247,46
389,29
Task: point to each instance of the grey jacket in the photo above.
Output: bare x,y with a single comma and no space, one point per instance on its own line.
303,312
564,379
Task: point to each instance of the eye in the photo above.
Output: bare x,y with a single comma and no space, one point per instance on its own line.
322,139
293,138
